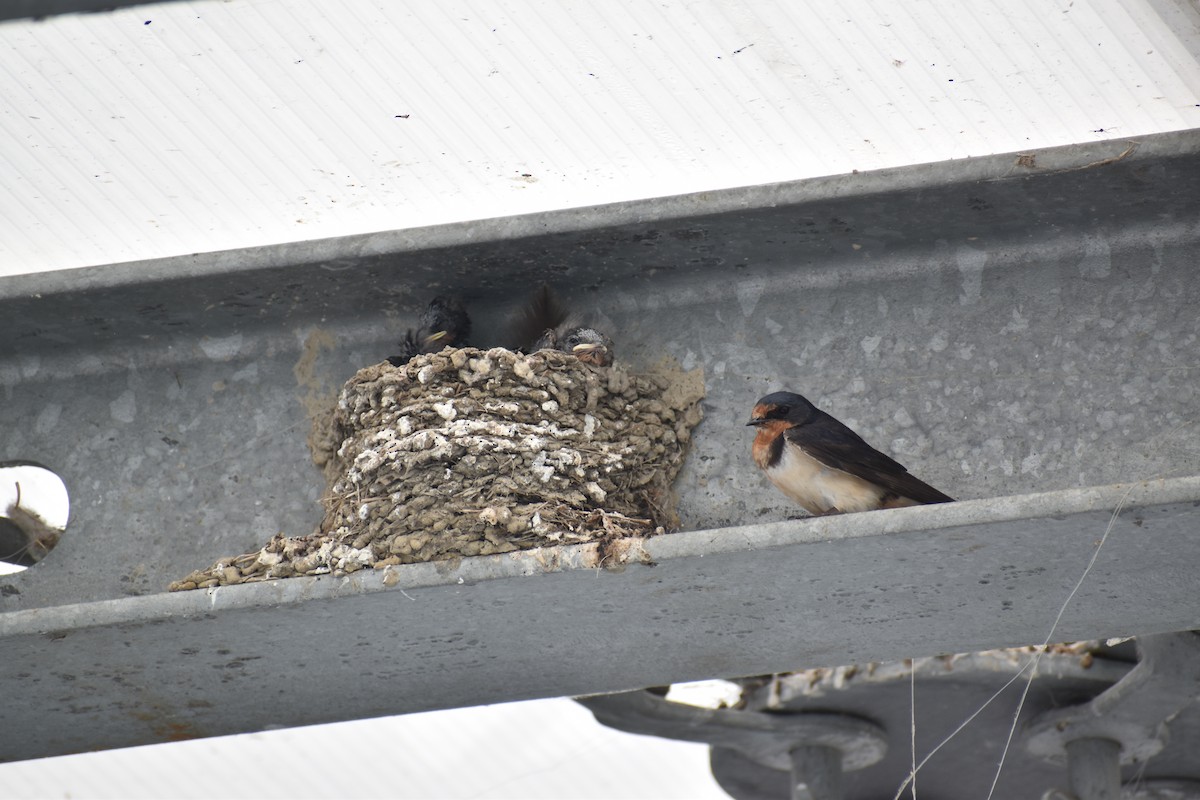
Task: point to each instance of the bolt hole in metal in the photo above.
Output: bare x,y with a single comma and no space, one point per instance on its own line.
34,510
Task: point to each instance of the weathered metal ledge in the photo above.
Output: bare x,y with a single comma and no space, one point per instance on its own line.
726,602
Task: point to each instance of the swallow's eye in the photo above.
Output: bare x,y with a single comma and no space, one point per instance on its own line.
782,411
573,339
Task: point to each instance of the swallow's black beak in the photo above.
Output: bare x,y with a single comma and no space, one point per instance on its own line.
756,421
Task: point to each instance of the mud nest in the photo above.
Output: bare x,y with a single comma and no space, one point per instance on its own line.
469,452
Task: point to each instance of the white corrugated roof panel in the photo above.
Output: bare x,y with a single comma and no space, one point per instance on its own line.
190,127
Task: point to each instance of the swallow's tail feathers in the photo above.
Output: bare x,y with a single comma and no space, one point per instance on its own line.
906,486
543,312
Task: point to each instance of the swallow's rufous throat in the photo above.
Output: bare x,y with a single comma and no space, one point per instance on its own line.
826,467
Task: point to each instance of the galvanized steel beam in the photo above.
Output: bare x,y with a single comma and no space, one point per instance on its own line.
1003,325
739,601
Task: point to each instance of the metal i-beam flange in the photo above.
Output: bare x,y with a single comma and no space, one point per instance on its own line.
725,602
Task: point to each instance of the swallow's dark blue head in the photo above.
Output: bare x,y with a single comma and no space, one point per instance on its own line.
786,406
444,323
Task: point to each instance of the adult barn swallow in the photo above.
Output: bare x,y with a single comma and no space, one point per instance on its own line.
826,467
544,323
444,323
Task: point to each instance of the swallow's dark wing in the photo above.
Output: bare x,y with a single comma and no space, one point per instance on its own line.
835,445
547,341
409,347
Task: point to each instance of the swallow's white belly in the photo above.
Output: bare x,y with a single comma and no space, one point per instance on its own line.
820,488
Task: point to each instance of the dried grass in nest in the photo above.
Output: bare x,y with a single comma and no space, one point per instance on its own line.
469,452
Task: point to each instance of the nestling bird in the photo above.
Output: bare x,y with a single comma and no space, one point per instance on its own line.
826,467
587,344
545,324
444,323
